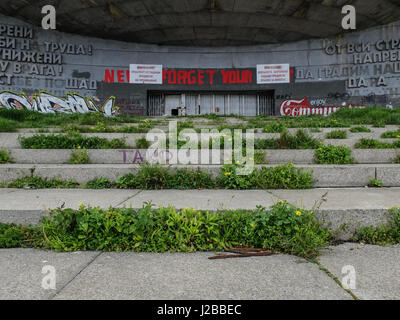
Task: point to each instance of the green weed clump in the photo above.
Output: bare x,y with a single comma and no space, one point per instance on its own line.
374,183
360,129
333,155
376,144
8,125
337,134
280,177
300,140
70,141
388,234
283,228
4,156
391,135
79,157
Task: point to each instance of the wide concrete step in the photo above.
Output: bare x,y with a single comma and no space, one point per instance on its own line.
137,156
351,208
331,176
10,140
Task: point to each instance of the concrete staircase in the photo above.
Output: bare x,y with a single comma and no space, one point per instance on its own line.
346,199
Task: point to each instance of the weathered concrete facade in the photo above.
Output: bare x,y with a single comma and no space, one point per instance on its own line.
359,68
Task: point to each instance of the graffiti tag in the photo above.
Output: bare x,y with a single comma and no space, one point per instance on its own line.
45,102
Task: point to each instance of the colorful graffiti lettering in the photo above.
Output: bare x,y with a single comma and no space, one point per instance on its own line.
45,102
297,108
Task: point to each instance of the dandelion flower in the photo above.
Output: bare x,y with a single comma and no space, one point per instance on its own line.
298,213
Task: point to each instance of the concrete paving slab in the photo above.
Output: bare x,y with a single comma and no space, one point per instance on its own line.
202,199
21,271
377,269
344,198
139,276
43,199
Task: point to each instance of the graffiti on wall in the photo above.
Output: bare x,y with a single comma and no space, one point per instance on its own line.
45,102
297,108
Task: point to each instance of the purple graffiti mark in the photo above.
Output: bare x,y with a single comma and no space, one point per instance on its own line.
137,156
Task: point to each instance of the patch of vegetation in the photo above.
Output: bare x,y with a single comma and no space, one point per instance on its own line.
13,236
376,144
301,140
79,157
360,129
333,155
4,156
142,143
391,135
70,141
275,127
383,235
397,159
337,134
280,177
35,182
156,178
374,183
100,183
282,229
8,125
259,157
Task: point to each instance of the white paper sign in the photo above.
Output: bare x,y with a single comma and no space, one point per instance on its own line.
146,74
273,73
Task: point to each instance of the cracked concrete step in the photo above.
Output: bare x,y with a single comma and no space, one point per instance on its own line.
176,276
340,176
352,207
10,140
133,156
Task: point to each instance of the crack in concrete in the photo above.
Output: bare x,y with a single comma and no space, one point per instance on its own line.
129,198
334,278
75,276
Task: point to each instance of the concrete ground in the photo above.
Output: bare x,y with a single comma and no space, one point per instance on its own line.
178,276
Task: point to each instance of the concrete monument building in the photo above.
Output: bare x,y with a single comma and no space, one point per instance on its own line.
171,57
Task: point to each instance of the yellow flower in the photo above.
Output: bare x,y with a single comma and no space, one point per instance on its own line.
291,164
390,208
79,147
252,225
80,205
298,213
228,173
398,136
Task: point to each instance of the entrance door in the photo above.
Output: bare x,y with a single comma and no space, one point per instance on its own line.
172,103
266,105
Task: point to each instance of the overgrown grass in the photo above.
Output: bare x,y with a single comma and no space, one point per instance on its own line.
8,125
383,235
376,144
337,134
156,178
359,129
79,157
333,155
300,140
4,156
391,135
70,141
283,228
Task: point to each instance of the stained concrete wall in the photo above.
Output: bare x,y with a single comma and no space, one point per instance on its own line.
361,68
